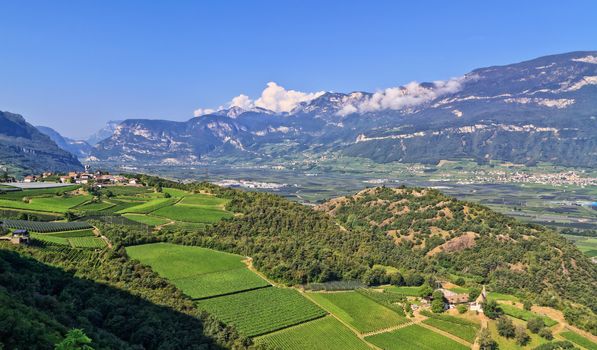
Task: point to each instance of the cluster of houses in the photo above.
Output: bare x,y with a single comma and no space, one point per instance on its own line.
85,177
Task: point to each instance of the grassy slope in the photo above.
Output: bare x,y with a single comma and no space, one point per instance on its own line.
414,337
359,311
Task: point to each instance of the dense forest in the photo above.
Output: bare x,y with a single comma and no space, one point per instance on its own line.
120,304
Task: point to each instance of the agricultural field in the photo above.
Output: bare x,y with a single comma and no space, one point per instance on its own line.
220,283
198,272
45,227
52,204
204,200
414,337
405,291
387,299
579,340
19,195
262,311
359,311
95,206
463,329
150,206
192,213
587,245
146,219
325,333
501,296
75,239
525,315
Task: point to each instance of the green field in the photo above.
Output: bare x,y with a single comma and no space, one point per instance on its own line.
525,315
325,333
87,242
510,343
358,310
501,296
71,234
46,204
262,310
587,245
46,227
76,239
461,328
95,206
414,337
177,261
175,192
405,291
18,195
150,206
192,213
146,219
204,200
579,340
221,282
198,272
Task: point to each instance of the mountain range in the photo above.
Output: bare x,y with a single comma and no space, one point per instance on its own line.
542,110
539,110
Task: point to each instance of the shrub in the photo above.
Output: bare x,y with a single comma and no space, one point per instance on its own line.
505,327
522,338
460,281
527,305
546,333
535,324
485,341
461,309
491,309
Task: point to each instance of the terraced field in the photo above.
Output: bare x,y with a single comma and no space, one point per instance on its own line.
198,272
146,219
263,310
46,204
76,239
525,315
414,337
579,340
459,327
192,213
148,207
358,310
325,333
45,227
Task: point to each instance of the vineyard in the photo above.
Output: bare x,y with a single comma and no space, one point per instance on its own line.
45,227
414,337
192,213
150,206
219,283
358,310
459,327
75,239
525,315
263,310
325,333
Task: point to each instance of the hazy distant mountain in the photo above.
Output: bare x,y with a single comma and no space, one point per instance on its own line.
23,146
539,110
103,133
79,148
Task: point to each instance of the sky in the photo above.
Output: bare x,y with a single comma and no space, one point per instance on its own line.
73,65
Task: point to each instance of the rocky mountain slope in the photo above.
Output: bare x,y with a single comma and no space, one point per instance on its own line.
539,110
23,146
79,148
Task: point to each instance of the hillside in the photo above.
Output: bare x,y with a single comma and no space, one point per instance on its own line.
541,110
24,147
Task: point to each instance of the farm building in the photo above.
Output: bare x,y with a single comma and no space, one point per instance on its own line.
454,298
20,237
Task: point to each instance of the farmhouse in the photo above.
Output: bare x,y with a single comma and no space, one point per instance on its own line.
20,237
477,305
454,298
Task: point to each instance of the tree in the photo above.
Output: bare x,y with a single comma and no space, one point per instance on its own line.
485,340
70,216
460,281
414,279
425,291
397,279
461,308
546,333
527,305
474,294
75,340
491,309
535,324
522,338
437,305
505,327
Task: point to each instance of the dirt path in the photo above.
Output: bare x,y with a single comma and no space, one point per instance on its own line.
562,324
249,262
99,234
446,334
159,227
484,325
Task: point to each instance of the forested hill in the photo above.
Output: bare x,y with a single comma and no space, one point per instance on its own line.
419,231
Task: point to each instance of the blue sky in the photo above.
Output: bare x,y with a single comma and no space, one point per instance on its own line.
73,65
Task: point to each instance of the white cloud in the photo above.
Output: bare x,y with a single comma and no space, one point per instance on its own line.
203,111
274,97
410,95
